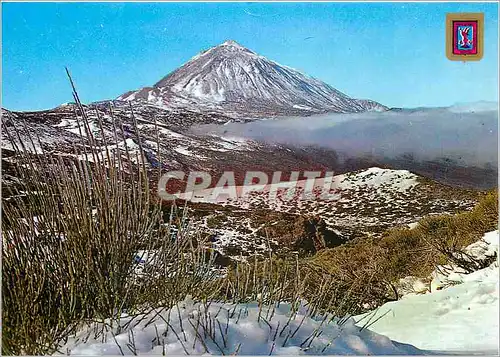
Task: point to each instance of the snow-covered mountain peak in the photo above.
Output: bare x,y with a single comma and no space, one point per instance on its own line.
232,44
233,79
229,48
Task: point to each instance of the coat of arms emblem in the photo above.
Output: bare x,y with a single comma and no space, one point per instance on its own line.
464,36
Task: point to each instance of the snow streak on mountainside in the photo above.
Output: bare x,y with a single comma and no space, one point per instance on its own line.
235,79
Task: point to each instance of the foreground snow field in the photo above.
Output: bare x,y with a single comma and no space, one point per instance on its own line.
459,319
244,336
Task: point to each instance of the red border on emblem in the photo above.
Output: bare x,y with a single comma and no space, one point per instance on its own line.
458,51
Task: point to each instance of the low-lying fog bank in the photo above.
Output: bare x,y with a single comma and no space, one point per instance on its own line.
466,134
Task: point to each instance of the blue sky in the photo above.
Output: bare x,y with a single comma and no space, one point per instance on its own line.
389,52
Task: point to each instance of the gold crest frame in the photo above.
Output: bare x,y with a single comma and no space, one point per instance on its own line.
465,16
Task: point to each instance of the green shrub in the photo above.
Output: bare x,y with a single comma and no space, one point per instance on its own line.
376,265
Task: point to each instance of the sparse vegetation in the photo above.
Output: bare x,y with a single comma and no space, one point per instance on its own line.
380,263
72,233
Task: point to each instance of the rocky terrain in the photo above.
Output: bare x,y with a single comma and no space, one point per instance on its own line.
361,203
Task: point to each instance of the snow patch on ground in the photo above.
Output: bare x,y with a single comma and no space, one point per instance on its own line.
412,225
375,182
450,274
243,331
186,152
461,318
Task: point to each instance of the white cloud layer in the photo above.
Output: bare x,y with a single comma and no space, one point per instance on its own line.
467,133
